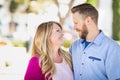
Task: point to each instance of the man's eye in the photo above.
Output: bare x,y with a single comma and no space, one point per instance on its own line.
75,23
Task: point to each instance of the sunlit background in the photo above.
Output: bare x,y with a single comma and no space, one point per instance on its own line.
20,18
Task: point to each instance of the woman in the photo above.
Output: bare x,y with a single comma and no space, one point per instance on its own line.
49,61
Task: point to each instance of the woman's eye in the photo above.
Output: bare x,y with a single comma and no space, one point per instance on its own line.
58,30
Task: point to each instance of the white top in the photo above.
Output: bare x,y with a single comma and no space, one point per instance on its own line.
63,71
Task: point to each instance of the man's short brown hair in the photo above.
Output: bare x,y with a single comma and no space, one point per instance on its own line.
86,10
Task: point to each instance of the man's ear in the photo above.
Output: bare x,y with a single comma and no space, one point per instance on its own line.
88,20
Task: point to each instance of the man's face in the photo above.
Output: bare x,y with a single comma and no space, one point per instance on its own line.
79,25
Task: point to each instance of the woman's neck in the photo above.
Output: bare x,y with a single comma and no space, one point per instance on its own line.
56,56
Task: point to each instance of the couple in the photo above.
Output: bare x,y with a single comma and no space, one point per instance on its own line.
92,57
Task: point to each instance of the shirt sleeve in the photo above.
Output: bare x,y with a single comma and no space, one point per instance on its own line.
33,71
113,63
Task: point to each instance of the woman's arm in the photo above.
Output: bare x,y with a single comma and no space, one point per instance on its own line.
33,71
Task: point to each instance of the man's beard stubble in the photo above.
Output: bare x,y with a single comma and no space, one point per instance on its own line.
83,33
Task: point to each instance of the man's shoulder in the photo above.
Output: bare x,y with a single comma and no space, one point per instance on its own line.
111,42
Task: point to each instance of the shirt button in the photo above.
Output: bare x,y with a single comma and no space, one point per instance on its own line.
84,53
80,74
82,63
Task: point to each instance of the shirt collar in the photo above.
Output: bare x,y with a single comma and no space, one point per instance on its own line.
97,40
82,41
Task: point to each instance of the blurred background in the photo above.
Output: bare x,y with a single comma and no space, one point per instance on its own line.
20,18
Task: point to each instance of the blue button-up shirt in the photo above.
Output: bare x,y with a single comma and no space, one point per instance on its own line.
100,60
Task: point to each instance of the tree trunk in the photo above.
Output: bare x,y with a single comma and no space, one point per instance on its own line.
116,20
67,14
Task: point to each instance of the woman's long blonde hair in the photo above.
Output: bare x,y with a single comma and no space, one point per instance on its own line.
42,46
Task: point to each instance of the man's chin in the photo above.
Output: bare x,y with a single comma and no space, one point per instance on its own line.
82,37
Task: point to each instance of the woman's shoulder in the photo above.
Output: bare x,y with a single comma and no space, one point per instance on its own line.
34,58
34,71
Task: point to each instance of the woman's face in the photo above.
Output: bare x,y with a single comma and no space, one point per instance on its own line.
56,35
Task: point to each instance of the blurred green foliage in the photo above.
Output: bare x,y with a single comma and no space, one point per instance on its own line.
14,5
67,43
93,2
19,43
116,20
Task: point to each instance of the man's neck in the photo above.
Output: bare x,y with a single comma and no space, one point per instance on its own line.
92,35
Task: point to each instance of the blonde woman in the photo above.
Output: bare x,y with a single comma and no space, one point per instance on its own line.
49,61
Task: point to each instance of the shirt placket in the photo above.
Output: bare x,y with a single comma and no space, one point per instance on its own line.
82,64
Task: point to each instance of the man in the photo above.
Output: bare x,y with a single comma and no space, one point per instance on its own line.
94,55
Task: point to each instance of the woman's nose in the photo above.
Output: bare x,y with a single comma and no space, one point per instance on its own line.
62,33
